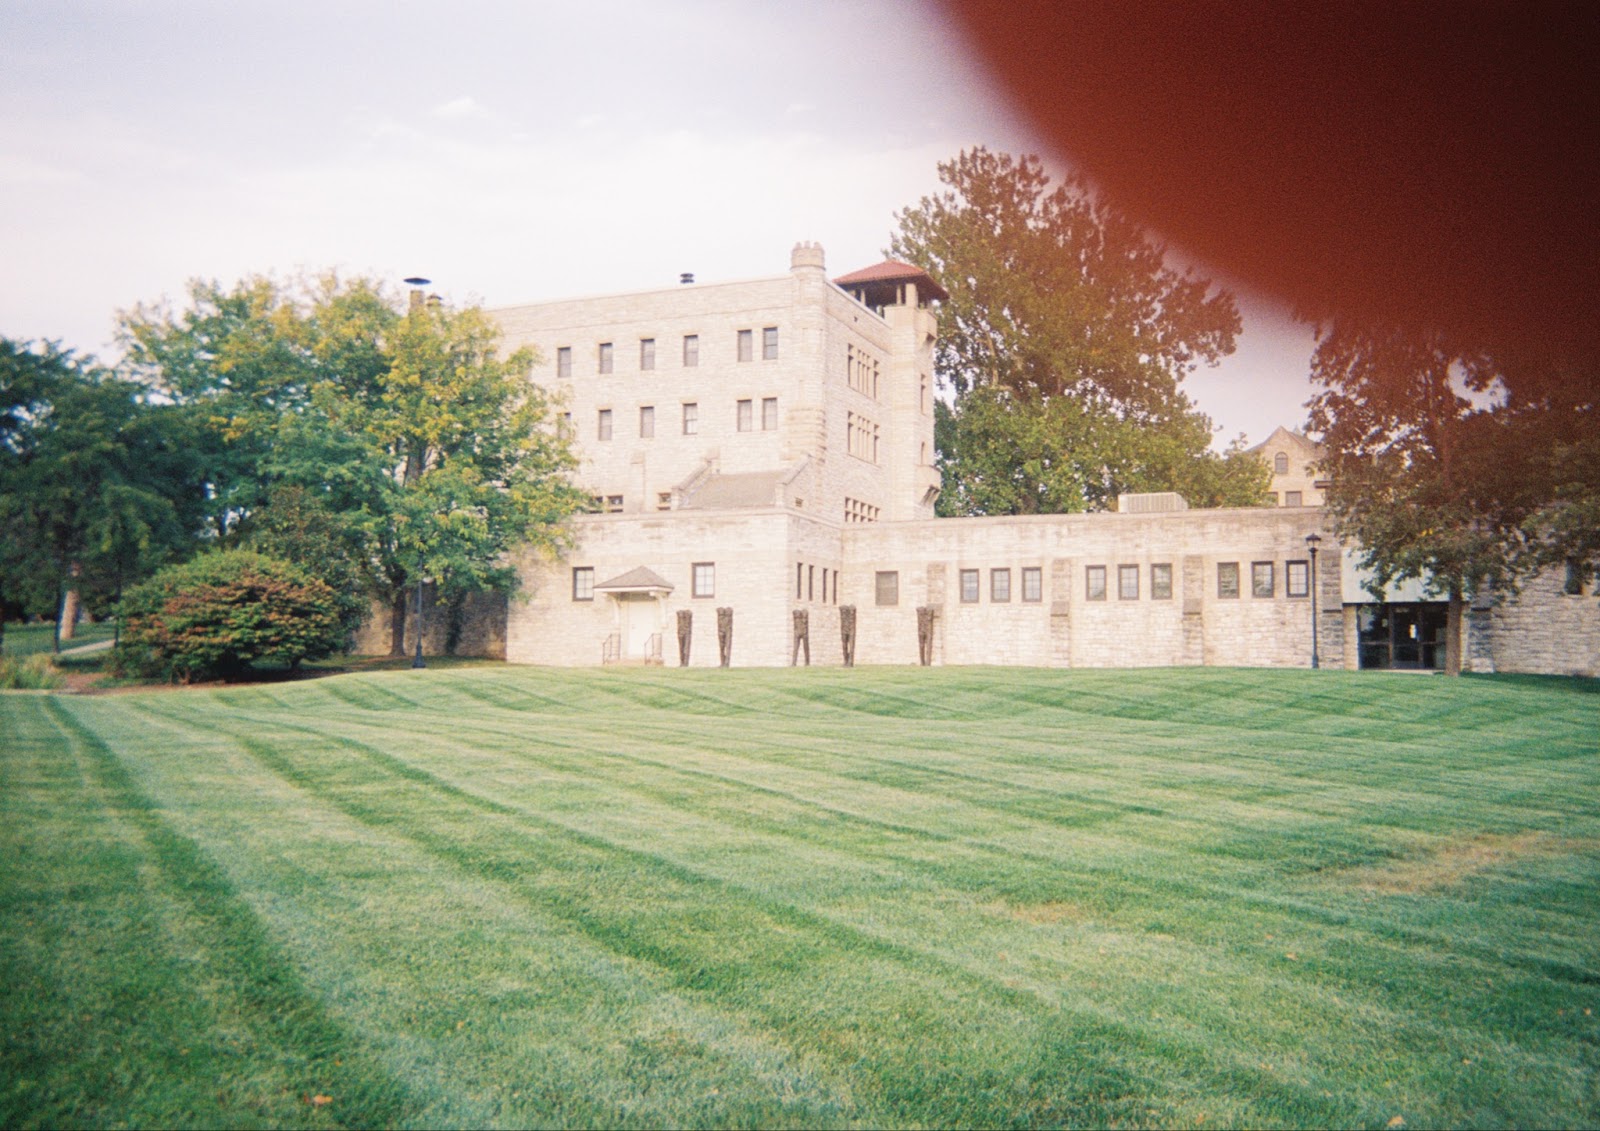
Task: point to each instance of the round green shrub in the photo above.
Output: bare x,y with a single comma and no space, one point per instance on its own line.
222,612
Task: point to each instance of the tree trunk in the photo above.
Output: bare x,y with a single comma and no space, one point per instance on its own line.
397,623
1452,633
70,605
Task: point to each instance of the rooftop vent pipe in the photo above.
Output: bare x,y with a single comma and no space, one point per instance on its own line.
686,277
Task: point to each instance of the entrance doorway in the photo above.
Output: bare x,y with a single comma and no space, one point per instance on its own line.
1402,636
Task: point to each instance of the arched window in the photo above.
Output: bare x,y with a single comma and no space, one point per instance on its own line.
1280,464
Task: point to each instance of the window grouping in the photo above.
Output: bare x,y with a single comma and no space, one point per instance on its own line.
1264,580
861,437
806,583
649,356
861,371
746,344
1130,585
1000,587
857,511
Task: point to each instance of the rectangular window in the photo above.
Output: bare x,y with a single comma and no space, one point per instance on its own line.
969,586
663,500
605,424
747,344
647,353
705,579
799,576
564,362
607,357
1127,583
811,581
613,504
922,394
1572,584
1262,583
769,414
1227,580
1297,579
1161,581
647,421
887,587
691,350
1032,583
583,583
769,343
1291,499
746,416
999,585
691,419
1094,583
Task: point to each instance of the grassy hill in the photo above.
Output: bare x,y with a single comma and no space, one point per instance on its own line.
814,897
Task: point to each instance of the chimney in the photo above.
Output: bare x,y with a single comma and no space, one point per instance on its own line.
686,278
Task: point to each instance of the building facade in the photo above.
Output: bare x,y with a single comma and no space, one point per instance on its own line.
761,459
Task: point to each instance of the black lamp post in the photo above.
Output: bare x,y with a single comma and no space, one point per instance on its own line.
1312,542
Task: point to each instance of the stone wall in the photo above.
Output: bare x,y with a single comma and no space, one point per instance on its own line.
1542,629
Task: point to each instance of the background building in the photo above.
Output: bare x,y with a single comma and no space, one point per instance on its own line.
765,448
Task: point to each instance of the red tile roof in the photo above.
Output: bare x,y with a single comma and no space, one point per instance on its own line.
894,271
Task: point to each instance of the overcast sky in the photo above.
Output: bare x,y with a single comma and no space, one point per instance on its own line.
510,151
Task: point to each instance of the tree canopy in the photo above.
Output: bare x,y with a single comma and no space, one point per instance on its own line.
1452,466
1063,346
421,449
98,486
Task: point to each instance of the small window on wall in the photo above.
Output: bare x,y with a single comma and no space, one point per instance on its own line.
564,362
999,585
1297,579
1161,581
607,357
769,343
811,582
604,430
1280,464
1572,585
691,419
1262,581
1127,583
747,344
1292,499
691,350
705,579
583,583
1032,583
745,416
1094,588
1227,580
647,353
969,586
769,414
613,504
887,587
647,421
663,500
799,577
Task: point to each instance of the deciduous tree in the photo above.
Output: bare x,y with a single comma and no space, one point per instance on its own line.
1063,343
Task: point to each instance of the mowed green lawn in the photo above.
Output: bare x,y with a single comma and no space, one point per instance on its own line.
820,897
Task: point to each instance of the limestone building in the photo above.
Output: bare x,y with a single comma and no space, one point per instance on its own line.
760,455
